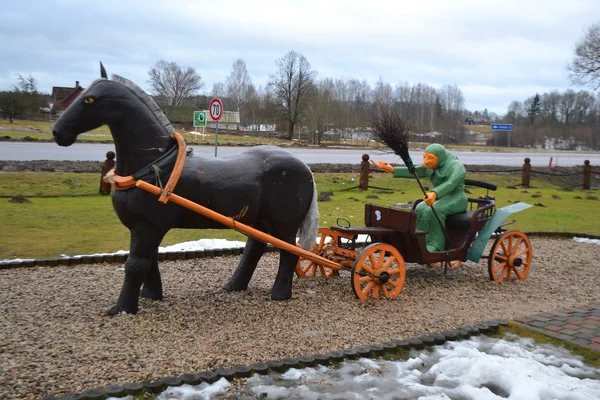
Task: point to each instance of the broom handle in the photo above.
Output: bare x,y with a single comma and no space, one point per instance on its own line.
432,209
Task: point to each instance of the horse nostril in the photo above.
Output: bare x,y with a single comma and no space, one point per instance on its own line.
53,133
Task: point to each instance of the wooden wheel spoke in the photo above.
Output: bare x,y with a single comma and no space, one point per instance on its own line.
368,287
506,252
368,269
394,271
495,268
385,292
373,261
380,259
393,283
376,291
517,273
520,253
364,279
305,267
517,243
500,257
322,270
389,262
504,273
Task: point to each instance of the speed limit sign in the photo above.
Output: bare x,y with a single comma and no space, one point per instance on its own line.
216,109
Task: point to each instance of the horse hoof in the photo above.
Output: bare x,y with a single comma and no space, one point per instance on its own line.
230,287
148,294
114,310
280,296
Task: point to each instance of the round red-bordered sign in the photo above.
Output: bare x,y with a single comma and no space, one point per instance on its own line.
215,109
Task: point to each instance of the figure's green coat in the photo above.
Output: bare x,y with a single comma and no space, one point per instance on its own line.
448,181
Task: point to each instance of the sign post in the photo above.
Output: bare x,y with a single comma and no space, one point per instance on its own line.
503,127
216,112
51,106
199,120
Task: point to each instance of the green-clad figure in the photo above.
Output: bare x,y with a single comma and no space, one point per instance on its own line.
447,175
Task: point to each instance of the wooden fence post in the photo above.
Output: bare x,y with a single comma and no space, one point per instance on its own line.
526,173
109,164
363,182
587,172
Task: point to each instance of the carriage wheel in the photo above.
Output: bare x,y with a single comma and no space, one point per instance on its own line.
306,267
378,270
510,255
442,264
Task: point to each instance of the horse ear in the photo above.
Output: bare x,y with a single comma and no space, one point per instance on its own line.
102,71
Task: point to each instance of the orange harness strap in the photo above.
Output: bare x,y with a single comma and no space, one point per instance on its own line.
127,182
179,161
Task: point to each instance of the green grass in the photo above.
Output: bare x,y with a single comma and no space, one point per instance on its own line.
48,227
48,183
18,131
590,357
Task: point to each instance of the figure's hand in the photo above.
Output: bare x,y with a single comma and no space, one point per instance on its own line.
384,165
430,198
410,165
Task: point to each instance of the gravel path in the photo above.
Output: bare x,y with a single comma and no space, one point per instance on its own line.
56,339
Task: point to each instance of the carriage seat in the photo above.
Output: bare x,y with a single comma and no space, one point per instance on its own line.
461,220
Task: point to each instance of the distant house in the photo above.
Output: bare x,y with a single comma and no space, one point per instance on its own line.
64,96
477,119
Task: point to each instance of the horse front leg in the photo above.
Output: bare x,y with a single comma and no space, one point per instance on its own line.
144,244
152,287
240,279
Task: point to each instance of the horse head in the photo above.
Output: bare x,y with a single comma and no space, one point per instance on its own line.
118,103
90,110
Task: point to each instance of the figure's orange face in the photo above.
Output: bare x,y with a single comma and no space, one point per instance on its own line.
430,160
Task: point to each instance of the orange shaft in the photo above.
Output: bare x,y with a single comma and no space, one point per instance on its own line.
248,230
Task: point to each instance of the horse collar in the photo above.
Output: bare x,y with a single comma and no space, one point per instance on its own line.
119,182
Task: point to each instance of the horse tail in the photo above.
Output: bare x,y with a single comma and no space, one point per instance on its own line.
310,225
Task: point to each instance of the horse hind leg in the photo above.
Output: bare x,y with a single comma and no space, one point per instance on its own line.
282,288
240,279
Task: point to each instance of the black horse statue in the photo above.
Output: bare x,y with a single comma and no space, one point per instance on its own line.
265,187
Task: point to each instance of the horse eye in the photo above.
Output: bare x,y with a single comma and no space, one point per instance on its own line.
88,100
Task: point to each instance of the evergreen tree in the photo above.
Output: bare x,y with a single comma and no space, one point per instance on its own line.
534,108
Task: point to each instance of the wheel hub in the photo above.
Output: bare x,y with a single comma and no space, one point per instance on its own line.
514,261
384,277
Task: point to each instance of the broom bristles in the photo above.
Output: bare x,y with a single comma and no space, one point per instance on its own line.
390,129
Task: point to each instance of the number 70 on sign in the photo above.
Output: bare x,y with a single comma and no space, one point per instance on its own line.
215,109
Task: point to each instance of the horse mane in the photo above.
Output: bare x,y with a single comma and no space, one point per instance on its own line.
147,100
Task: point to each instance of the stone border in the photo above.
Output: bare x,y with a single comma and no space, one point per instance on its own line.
392,348
189,254
121,258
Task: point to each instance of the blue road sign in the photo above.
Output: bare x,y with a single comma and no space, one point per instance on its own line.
502,127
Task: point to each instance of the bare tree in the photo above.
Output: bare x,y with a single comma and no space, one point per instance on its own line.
218,90
238,84
174,83
585,67
290,84
320,99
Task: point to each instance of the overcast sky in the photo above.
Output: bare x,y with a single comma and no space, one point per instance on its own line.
495,51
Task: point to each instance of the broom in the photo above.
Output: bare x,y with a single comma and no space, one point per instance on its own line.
390,129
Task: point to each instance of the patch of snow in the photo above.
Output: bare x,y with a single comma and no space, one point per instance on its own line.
478,368
586,240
